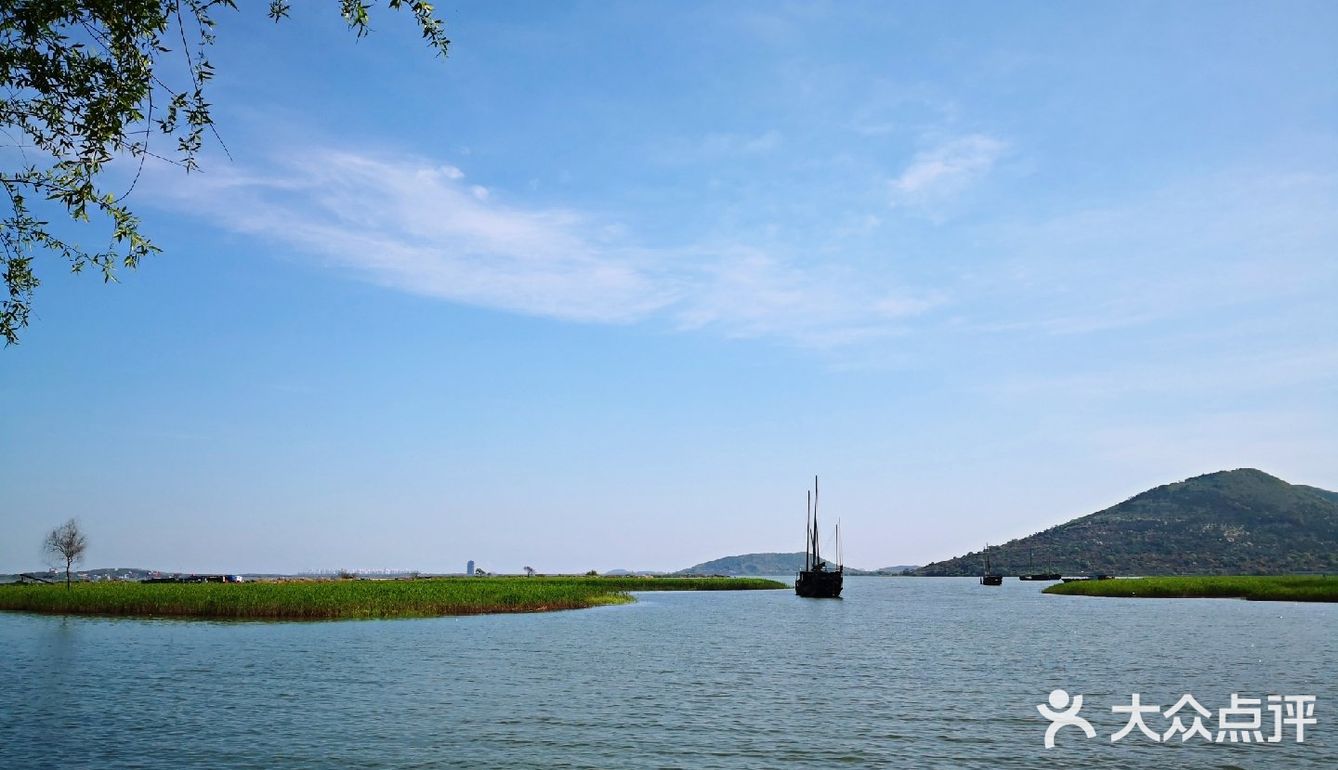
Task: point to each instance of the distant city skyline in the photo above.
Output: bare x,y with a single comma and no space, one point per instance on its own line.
605,287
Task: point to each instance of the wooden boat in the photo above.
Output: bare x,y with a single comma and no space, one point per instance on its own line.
1032,574
1097,576
818,580
990,578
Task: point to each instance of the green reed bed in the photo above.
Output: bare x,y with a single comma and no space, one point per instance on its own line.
1280,588
329,599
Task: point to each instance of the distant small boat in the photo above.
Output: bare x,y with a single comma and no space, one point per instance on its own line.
817,580
1098,576
990,578
1032,574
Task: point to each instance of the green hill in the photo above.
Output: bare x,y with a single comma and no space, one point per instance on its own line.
1231,522
750,564
896,569
771,564
1324,493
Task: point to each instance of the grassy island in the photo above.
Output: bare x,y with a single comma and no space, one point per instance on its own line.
333,599
1277,588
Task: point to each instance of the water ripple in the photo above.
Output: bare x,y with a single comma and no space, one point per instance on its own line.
905,673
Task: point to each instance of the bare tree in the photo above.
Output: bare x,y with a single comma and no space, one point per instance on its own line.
529,572
67,542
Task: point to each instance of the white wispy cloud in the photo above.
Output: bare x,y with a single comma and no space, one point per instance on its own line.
723,144
1227,240
744,291
1198,247
421,228
424,228
945,169
714,147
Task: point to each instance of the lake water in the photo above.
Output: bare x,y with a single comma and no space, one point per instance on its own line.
902,673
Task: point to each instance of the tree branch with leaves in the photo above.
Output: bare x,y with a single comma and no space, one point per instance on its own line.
84,83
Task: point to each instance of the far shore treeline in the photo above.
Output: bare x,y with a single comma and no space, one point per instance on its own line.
1241,522
335,599
1264,588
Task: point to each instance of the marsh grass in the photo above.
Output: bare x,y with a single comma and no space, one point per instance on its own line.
332,599
1283,588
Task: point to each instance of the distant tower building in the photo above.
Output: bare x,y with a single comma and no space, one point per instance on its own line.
469,568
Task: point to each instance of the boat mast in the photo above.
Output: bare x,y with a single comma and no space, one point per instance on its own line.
808,527
839,561
816,558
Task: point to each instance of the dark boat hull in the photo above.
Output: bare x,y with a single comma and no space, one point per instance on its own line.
819,584
991,580
1041,576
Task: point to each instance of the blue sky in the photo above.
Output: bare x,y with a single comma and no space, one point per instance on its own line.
607,285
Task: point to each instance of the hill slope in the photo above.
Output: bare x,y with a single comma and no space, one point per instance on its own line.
750,564
1324,493
770,564
1231,522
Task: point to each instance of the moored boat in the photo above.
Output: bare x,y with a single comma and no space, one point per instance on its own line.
818,579
990,578
1032,574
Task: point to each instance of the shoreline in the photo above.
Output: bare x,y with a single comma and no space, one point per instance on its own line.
350,599
1259,588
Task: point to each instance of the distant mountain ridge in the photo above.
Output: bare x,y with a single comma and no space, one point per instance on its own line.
101,573
1230,522
770,564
